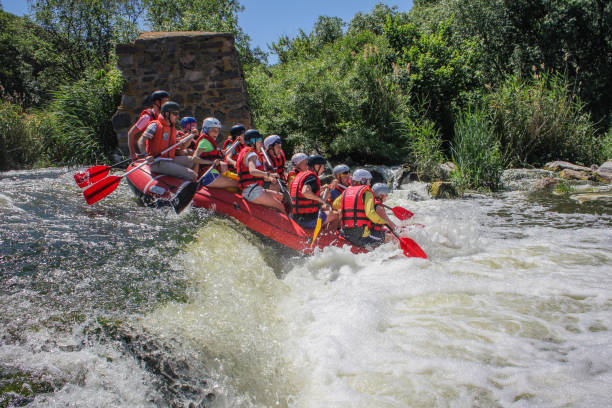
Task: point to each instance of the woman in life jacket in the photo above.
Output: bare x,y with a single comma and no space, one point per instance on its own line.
236,133
342,173
306,196
161,134
381,192
299,161
189,126
357,212
252,173
274,150
208,153
158,98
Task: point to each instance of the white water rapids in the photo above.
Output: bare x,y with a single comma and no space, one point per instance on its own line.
513,308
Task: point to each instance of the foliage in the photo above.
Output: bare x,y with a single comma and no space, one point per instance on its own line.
19,144
542,120
606,146
476,152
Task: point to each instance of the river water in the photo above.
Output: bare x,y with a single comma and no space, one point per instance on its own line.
115,305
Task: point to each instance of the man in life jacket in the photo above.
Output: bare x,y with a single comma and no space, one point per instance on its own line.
208,154
342,173
274,150
358,215
381,192
161,134
158,98
299,161
236,133
252,174
305,194
189,126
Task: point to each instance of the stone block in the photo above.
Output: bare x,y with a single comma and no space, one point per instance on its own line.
442,189
193,76
121,120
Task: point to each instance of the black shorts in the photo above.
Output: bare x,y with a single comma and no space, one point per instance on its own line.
355,237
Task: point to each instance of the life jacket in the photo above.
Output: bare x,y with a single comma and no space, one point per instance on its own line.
245,178
150,113
301,204
228,142
376,227
337,192
353,210
214,154
165,136
278,162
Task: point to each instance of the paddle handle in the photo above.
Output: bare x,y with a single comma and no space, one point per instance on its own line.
231,148
206,173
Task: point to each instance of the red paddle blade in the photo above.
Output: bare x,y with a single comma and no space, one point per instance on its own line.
401,213
101,189
411,248
91,175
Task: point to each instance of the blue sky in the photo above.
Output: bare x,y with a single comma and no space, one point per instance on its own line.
266,20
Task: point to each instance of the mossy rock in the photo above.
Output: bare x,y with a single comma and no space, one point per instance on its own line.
442,189
19,389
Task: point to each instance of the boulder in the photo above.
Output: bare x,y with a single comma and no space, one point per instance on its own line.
446,169
546,184
442,189
570,174
604,172
563,165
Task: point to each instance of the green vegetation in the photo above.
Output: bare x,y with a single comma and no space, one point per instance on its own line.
385,87
19,389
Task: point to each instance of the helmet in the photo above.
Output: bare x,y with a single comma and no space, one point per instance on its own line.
187,120
362,176
159,95
251,136
210,123
237,130
298,158
341,168
380,189
315,159
271,141
170,107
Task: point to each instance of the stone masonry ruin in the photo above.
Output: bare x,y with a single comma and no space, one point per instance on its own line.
200,70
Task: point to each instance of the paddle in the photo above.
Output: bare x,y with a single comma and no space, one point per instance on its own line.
185,195
96,173
286,197
400,212
231,148
319,221
104,187
410,248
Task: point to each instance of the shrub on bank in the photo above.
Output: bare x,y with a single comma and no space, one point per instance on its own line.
19,144
476,152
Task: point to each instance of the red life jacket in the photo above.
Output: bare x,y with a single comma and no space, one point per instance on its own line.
353,210
228,142
301,204
150,113
165,136
214,154
278,162
245,178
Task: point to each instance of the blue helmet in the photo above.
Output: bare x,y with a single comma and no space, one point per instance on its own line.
251,136
159,95
187,120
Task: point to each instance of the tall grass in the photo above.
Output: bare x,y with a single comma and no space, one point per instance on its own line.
476,152
18,142
542,119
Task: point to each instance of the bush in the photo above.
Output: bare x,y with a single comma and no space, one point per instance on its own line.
541,120
80,117
19,145
476,152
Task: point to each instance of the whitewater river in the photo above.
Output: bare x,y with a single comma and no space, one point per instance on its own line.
115,305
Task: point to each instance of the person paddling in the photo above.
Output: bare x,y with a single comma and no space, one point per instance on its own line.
236,133
208,154
358,215
252,174
161,134
305,194
189,126
299,161
342,173
273,147
381,192
158,98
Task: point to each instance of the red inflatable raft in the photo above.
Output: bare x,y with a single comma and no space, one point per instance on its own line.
154,188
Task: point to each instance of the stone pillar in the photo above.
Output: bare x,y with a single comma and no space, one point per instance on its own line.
200,70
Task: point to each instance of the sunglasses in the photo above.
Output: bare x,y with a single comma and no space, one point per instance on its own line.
259,139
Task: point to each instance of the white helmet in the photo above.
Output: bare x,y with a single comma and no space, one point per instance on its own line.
341,168
298,158
380,189
362,176
210,123
271,140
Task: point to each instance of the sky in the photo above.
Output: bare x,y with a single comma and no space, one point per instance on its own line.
266,20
